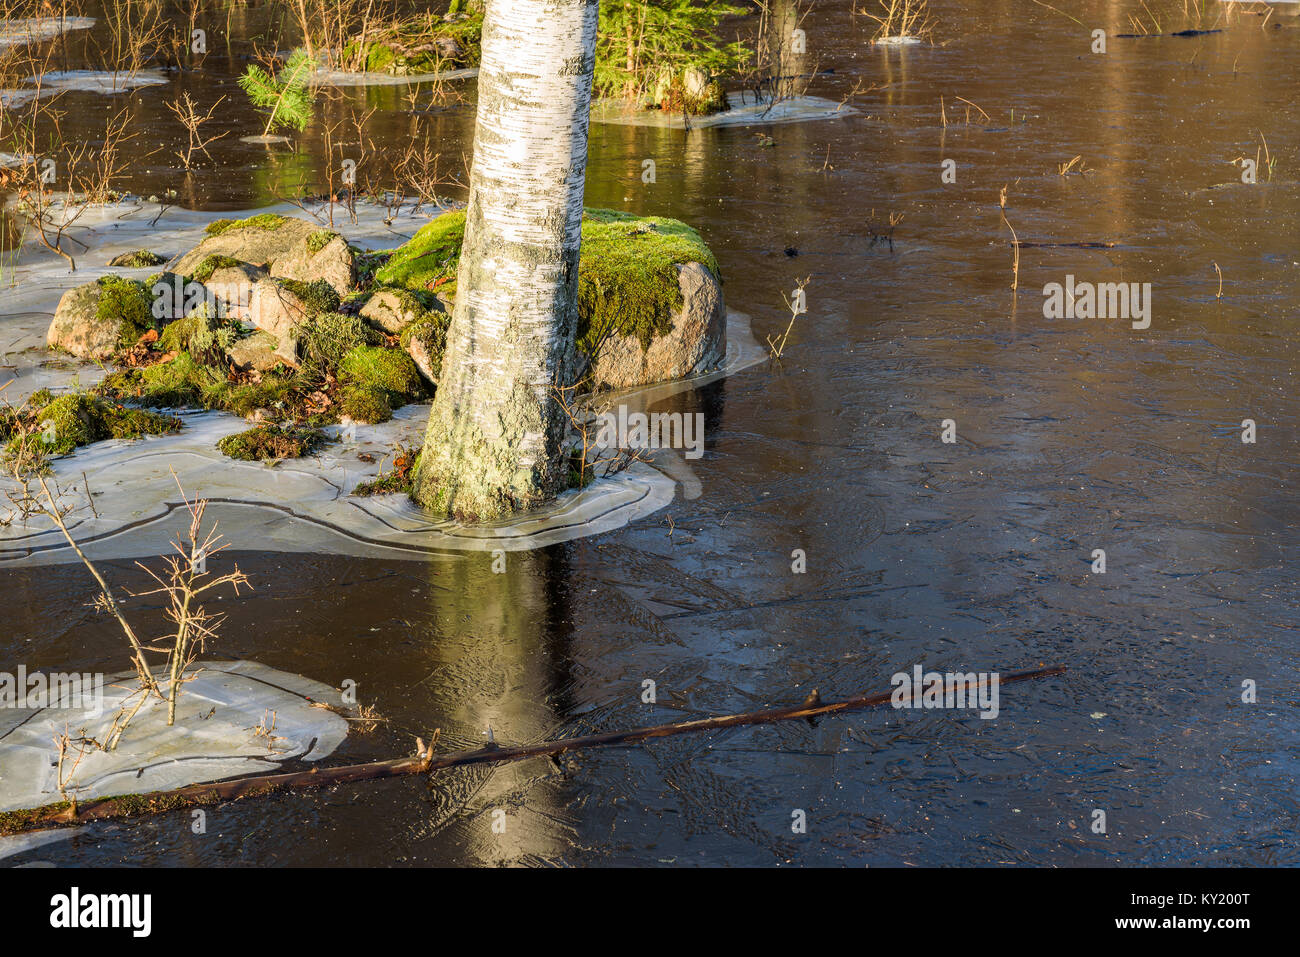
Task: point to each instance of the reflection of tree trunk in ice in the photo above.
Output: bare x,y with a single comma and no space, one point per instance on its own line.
500,660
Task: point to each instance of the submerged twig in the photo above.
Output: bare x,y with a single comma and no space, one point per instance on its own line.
158,802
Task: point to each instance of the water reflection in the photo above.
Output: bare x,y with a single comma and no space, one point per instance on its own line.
1073,435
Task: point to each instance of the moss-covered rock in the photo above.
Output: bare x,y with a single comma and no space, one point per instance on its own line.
266,222
425,341
369,406
137,260
204,270
640,279
390,371
255,353
422,45
429,260
320,239
392,309
280,306
289,248
272,442
78,419
96,320
374,381
327,337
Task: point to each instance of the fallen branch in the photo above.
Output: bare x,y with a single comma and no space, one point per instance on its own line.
813,707
1028,245
158,802
196,795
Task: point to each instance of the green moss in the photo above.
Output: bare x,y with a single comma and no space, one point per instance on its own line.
627,274
276,391
176,384
138,259
80,418
204,337
128,423
316,296
410,47
390,371
176,337
185,383
380,58
272,442
23,819
128,303
364,405
260,221
374,381
325,339
70,420
211,264
320,239
430,258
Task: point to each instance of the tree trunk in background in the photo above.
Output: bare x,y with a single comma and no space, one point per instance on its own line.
493,442
782,60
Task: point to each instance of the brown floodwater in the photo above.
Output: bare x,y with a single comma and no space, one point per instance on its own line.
1073,435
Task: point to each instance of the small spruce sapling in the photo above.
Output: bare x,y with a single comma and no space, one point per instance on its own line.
286,96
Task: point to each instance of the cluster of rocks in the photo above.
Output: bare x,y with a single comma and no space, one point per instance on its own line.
269,273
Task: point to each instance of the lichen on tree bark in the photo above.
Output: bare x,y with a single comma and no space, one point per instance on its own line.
493,443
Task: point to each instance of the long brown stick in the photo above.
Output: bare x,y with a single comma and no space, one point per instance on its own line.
813,708
157,802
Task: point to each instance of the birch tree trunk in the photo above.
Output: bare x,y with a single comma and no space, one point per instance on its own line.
492,446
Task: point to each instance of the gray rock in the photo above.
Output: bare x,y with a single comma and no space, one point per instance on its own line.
257,352
137,260
392,310
425,343
696,343
275,309
233,288
334,263
77,329
284,249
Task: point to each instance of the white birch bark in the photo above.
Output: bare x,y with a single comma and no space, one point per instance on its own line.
493,441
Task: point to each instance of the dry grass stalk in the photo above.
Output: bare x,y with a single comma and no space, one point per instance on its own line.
1015,240
900,19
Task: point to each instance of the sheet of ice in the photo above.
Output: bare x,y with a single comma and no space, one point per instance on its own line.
234,718
744,109
35,29
14,844
90,81
302,505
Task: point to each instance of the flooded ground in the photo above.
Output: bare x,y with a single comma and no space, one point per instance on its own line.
1072,435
